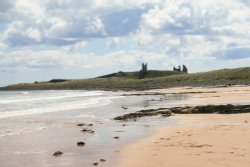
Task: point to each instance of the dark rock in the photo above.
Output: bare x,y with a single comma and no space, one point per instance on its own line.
57,153
80,124
166,112
116,137
125,108
90,125
88,130
103,160
80,143
95,164
143,113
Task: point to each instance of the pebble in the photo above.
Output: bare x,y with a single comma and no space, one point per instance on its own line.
81,124
96,163
57,153
80,143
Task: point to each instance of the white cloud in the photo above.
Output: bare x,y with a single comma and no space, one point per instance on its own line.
195,17
115,42
143,38
60,19
55,25
188,31
55,21
17,34
30,60
95,26
76,46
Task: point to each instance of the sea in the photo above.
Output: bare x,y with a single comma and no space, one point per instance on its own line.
20,103
35,124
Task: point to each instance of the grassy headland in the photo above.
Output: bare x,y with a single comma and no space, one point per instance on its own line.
153,80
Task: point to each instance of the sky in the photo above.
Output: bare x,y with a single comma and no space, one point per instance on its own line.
71,39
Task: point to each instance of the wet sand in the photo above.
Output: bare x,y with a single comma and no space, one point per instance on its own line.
31,140
197,140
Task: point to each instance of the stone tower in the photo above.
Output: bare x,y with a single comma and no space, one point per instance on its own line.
144,67
184,69
143,71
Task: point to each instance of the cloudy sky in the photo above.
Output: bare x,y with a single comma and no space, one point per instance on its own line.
44,39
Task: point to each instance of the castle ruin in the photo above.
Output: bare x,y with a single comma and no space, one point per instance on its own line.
143,72
144,67
184,69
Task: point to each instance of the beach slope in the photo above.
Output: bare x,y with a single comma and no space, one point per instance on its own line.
197,140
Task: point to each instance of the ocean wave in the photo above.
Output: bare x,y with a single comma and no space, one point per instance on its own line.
54,107
47,96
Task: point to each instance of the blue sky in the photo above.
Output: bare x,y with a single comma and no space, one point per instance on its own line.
41,40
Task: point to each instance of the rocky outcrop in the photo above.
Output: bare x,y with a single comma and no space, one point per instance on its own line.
208,109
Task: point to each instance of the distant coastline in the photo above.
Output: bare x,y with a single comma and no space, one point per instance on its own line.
127,81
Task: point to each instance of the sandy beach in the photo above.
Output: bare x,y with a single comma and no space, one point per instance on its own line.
197,139
180,140
210,95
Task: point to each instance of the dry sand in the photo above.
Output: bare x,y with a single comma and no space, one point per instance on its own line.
204,140
204,96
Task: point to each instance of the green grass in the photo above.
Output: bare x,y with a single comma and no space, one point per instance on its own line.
136,74
130,82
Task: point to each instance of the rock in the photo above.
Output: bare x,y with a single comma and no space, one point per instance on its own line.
103,160
166,112
116,137
123,124
245,121
80,124
90,125
96,163
80,143
88,130
57,153
125,108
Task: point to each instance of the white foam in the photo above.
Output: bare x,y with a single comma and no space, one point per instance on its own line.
16,132
77,104
47,97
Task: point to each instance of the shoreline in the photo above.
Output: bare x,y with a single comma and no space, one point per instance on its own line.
38,139
197,139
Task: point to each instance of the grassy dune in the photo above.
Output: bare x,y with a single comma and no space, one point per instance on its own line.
130,82
136,75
